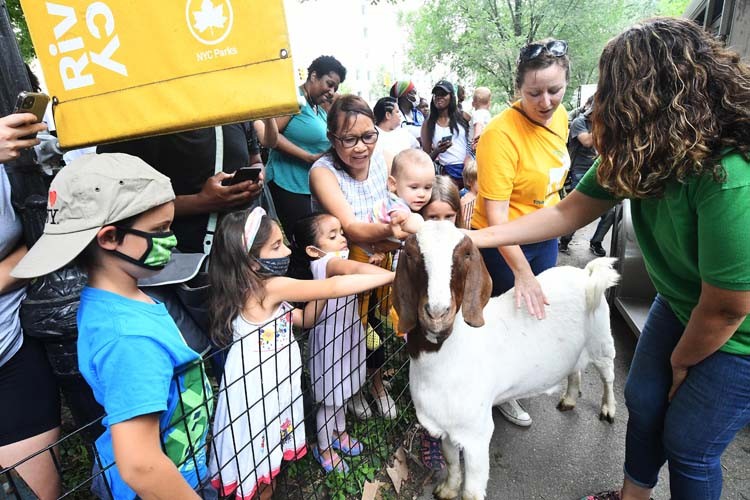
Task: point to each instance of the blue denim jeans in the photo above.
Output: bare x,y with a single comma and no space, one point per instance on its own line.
541,256
692,431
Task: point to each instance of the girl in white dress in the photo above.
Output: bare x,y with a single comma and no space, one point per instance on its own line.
337,343
259,416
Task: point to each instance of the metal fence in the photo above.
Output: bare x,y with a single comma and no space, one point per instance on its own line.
263,415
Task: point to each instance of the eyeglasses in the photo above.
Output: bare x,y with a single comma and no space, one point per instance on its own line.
349,141
557,48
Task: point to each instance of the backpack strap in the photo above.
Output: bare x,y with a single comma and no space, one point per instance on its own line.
218,167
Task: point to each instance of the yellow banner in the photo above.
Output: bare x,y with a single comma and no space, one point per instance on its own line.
119,69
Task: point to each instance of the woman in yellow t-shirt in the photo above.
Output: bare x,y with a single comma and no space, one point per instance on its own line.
522,161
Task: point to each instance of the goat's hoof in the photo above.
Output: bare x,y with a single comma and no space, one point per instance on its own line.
444,491
607,415
566,405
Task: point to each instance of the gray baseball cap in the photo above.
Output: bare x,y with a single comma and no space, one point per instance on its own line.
91,192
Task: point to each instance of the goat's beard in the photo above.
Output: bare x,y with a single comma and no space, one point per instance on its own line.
439,336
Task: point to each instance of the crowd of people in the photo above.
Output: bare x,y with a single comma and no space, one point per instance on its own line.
310,245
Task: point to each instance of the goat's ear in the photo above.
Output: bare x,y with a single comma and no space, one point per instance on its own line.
405,298
477,290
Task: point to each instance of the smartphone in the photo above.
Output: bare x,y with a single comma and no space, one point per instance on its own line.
34,103
446,138
243,174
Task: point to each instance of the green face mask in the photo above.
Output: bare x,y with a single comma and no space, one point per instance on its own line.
158,252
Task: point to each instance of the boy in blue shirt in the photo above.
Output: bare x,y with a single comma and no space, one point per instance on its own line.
113,213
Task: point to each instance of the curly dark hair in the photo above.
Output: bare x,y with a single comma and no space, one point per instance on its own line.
670,100
326,64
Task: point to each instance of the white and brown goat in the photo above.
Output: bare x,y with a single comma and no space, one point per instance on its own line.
469,352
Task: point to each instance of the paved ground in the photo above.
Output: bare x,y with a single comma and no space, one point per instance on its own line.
567,455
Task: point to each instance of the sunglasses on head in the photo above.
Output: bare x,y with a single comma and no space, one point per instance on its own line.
557,48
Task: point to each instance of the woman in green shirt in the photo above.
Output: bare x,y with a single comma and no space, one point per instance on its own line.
671,122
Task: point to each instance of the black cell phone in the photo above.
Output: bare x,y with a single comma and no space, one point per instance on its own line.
243,174
34,103
446,138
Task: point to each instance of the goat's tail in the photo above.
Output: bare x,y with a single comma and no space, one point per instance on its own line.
601,276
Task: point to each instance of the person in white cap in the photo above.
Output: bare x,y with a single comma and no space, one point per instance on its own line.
112,213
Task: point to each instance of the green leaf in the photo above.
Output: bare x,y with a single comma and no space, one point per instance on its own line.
18,21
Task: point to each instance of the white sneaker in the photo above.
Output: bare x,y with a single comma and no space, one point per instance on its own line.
385,405
359,407
515,413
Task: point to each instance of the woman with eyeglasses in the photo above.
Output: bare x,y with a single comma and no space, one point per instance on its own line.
522,161
393,138
445,133
671,123
302,140
347,182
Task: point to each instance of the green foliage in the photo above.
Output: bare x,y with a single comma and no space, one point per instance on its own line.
480,40
21,29
380,86
672,7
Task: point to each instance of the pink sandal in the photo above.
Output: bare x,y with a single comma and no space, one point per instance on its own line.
327,463
349,446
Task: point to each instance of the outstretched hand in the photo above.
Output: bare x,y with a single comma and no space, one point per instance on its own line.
376,259
406,222
529,292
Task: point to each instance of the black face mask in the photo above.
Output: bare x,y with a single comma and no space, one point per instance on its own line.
158,249
274,267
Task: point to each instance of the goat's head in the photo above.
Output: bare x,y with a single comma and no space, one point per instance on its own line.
440,271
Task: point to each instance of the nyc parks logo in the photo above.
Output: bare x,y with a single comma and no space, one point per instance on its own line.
209,21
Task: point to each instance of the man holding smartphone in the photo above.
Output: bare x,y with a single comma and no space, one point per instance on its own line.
13,129
189,159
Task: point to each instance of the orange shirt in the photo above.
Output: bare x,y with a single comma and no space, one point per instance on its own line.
521,162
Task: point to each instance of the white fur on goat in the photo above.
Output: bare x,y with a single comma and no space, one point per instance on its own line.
458,372
438,263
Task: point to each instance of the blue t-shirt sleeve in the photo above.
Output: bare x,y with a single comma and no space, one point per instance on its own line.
135,373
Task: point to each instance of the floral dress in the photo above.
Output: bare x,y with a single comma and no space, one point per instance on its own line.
259,414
